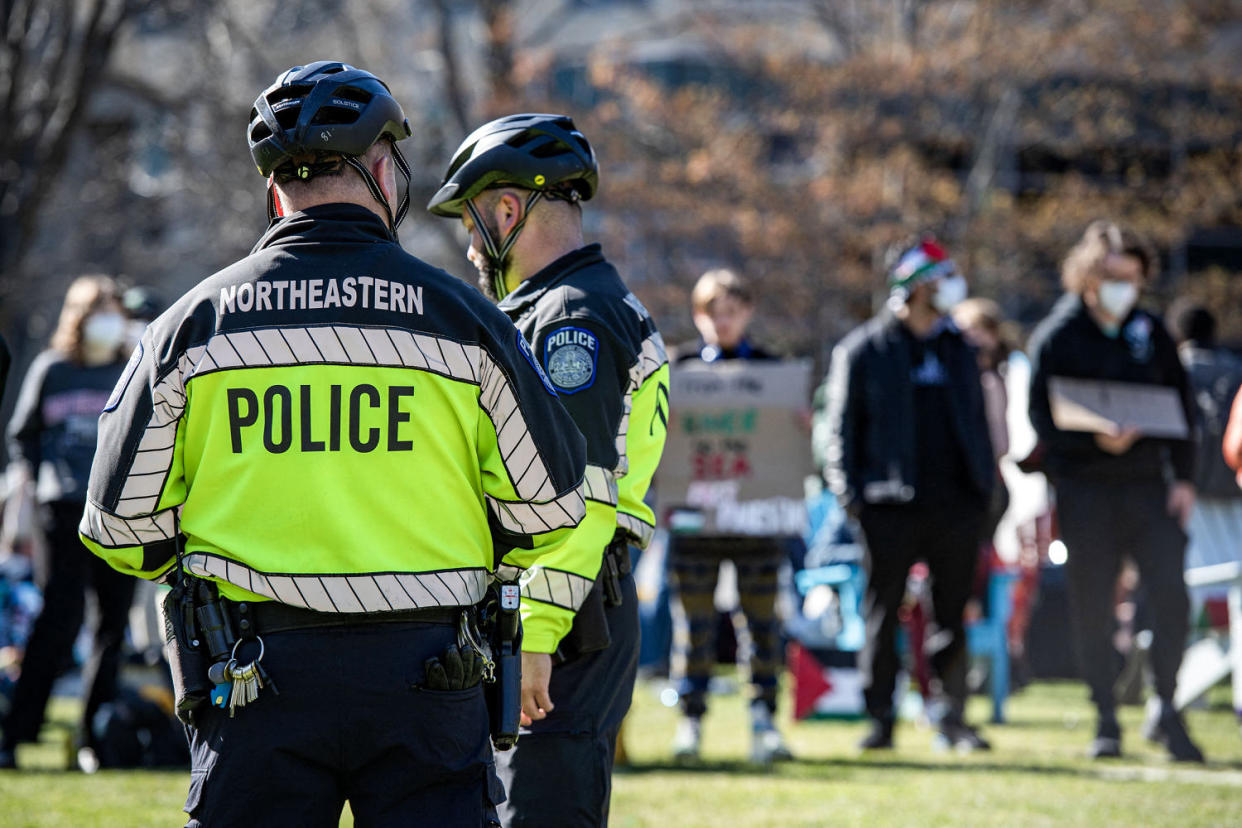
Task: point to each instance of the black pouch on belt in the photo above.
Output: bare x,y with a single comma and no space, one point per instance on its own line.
616,565
589,632
186,654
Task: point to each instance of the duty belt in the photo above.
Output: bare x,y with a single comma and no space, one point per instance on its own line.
253,617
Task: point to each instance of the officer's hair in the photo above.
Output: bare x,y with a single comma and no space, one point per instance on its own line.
86,295
717,283
332,175
1085,261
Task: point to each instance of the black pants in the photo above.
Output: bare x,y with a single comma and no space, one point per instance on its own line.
350,723
895,537
65,572
695,570
1102,523
560,771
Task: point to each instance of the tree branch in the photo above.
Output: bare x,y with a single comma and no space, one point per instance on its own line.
448,52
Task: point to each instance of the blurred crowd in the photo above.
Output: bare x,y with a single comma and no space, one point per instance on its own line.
946,464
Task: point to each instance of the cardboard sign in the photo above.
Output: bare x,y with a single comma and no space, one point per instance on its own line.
737,453
1103,406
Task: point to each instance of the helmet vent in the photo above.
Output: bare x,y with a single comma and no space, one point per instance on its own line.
259,132
549,150
351,93
334,115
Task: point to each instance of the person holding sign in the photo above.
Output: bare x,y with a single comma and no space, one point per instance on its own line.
908,456
722,306
1121,490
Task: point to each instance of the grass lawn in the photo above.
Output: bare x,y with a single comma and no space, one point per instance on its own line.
1035,776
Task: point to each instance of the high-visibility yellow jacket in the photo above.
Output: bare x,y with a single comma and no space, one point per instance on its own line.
333,424
601,351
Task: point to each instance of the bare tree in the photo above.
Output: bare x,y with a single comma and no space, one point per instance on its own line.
52,56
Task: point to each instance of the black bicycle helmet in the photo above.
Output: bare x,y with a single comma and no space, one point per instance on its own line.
326,108
544,153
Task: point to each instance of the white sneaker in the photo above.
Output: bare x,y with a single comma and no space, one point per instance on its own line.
768,746
686,739
88,761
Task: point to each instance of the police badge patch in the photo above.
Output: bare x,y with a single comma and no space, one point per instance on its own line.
570,356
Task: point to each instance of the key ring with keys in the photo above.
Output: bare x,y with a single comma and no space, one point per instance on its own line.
240,641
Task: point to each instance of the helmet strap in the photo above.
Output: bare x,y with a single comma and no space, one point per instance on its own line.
497,254
274,208
373,185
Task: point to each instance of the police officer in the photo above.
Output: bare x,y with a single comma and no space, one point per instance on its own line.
348,443
517,184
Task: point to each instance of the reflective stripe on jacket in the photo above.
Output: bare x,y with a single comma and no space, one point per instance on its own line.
338,426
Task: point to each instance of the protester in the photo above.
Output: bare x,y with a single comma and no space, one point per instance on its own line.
351,443
909,457
517,185
981,322
1120,493
51,444
1215,375
722,306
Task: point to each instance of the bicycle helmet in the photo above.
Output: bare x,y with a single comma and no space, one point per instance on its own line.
538,152
322,109
545,154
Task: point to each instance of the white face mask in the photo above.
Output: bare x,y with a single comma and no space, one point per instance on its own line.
950,292
104,331
1117,298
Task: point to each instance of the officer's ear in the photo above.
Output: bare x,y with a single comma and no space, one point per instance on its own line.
384,171
508,211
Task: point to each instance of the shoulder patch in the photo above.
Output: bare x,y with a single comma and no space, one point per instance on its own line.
570,356
524,347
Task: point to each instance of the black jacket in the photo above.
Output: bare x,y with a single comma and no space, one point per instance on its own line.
871,414
620,398
601,351
712,353
56,421
1068,343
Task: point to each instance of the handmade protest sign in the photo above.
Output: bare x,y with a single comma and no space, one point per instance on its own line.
1104,406
737,452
